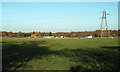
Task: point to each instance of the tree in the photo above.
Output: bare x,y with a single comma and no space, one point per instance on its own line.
50,33
33,32
119,32
27,35
21,35
77,35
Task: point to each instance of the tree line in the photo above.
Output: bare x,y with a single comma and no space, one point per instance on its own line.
96,33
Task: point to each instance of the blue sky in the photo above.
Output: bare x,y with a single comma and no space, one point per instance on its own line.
60,0
57,16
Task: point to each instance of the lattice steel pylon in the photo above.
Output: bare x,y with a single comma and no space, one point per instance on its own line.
104,22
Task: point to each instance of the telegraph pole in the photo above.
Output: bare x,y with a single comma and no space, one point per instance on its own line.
104,29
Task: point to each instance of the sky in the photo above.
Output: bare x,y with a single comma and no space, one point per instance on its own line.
60,0
57,16
119,15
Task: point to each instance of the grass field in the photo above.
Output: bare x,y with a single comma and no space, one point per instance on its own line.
60,54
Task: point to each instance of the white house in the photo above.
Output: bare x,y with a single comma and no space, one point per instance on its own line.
48,36
90,36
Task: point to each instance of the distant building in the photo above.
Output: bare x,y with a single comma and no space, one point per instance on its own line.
61,36
48,36
90,36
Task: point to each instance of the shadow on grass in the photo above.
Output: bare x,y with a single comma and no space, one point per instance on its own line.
92,59
112,47
86,59
15,55
2,42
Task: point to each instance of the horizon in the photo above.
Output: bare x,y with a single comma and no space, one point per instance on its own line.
57,16
55,32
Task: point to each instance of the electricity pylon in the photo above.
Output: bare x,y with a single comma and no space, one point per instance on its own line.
104,29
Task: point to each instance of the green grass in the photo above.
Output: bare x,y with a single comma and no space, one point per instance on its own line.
60,54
